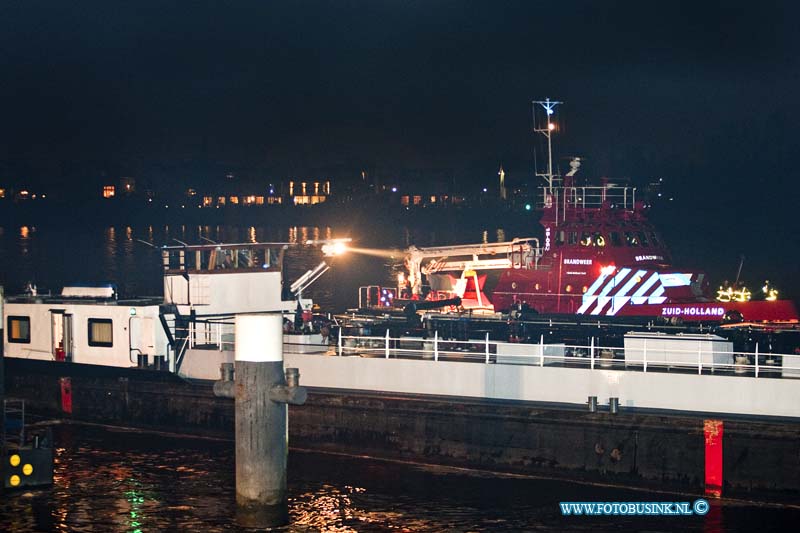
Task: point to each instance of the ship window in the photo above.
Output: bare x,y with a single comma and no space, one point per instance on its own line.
560,236
19,329
573,237
631,239
654,238
643,238
615,241
598,239
586,239
101,332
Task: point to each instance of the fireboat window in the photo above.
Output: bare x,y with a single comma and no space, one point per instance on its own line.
615,240
101,332
643,238
573,237
560,237
19,329
631,239
598,239
586,239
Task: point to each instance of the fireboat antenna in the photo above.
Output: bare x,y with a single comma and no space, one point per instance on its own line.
546,130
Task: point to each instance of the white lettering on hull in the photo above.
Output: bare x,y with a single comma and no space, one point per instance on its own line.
692,311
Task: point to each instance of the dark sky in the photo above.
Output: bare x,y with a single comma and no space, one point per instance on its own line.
650,88
702,94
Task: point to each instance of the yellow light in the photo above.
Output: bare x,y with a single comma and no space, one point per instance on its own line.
14,480
551,126
772,295
27,469
14,460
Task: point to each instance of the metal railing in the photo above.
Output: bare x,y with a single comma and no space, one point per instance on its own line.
702,360
593,356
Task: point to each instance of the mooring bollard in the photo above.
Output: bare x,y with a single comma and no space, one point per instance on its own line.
262,395
613,405
592,404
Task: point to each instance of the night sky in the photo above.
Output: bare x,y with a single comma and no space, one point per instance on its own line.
701,94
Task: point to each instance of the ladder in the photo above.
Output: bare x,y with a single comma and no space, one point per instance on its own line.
14,427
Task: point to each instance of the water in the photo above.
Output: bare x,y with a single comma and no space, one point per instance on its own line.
115,480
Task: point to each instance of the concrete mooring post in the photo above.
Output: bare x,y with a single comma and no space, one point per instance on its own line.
262,395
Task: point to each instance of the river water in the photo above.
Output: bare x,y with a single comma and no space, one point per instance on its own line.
117,480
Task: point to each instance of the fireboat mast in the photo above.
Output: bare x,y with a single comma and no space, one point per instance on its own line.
546,129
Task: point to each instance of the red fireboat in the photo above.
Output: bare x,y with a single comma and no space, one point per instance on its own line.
600,256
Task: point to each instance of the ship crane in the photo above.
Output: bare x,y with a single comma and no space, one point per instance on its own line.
460,264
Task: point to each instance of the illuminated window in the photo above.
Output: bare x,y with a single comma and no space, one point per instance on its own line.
328,188
221,200
207,200
2,193
303,188
291,188
234,200
108,191
19,329
417,200
433,199
404,200
191,192
259,200
316,188
101,332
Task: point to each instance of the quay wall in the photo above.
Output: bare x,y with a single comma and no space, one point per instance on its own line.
636,447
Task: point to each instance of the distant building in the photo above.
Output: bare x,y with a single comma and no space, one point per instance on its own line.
308,192
109,191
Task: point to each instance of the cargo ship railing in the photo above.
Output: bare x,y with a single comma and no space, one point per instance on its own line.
703,360
594,356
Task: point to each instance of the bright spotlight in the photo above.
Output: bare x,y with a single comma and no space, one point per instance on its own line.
608,270
332,247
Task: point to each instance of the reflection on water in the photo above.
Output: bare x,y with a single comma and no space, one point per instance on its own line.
111,480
